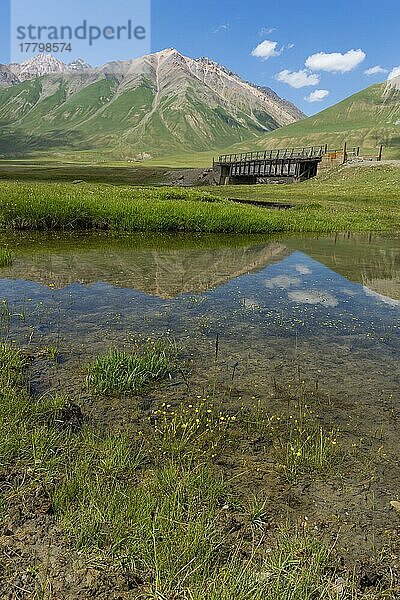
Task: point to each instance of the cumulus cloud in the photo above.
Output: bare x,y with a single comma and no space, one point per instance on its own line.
297,79
267,49
394,73
375,71
317,96
335,62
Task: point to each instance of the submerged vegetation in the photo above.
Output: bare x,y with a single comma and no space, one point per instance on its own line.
157,505
348,199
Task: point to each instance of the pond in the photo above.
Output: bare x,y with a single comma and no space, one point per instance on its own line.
325,310
258,321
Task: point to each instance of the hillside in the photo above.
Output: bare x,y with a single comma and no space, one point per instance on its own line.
367,119
159,104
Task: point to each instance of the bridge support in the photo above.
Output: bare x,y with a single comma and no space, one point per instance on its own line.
221,173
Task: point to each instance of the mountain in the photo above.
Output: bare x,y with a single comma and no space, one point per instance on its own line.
158,104
78,65
366,119
7,77
42,64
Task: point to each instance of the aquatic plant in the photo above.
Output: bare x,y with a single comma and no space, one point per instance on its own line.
52,353
305,446
119,371
197,427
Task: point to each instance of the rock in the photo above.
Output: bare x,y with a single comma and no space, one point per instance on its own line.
396,505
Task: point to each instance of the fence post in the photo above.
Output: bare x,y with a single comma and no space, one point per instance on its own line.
345,153
380,152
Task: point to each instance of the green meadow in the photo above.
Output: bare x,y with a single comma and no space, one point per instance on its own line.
342,199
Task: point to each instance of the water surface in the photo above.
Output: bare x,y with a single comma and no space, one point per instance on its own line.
325,309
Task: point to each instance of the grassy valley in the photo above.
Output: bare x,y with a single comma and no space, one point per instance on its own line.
189,417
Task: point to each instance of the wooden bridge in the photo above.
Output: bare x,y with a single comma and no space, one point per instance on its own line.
285,165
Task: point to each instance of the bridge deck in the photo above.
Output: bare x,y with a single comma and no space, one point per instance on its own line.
281,153
290,164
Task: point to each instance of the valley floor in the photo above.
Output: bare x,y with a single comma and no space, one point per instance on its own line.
342,199
195,495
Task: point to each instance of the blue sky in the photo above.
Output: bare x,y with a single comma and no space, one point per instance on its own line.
290,32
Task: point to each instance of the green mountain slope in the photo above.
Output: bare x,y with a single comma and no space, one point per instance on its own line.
161,104
367,119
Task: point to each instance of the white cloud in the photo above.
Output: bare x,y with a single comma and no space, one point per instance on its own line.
267,30
223,27
267,49
290,46
317,96
335,61
297,79
375,71
394,73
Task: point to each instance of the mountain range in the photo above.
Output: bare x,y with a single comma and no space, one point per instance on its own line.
168,104
158,104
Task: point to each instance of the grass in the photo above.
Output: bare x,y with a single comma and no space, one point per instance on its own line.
119,371
6,258
118,174
12,364
156,505
347,199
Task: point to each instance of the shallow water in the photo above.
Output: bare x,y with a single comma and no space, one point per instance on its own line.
325,309
320,315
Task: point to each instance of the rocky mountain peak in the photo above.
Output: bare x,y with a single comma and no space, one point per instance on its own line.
79,65
41,64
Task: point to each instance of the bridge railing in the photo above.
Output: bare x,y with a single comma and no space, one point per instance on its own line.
281,153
